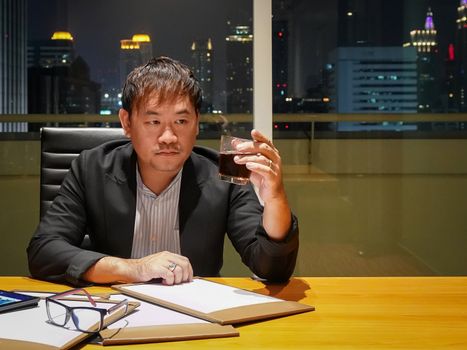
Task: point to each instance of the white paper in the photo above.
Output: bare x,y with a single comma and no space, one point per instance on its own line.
148,314
31,325
202,296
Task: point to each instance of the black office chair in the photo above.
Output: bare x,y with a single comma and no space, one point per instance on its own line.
59,147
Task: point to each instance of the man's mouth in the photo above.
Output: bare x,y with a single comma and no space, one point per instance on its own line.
167,152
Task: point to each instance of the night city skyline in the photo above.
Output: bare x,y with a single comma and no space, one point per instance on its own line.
314,29
97,38
172,27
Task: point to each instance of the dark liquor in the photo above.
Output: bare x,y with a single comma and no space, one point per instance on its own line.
231,171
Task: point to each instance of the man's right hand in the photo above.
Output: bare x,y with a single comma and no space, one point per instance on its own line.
171,268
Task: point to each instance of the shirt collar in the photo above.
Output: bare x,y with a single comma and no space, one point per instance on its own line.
142,188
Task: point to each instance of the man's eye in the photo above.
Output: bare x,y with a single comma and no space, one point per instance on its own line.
181,121
153,122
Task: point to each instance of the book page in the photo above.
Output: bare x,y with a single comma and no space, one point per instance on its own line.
149,314
202,296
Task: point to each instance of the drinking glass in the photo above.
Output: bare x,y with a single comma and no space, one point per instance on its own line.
229,170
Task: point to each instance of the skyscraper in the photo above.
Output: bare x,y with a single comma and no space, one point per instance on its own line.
461,55
133,53
240,70
54,52
374,79
428,63
59,82
425,40
13,69
202,61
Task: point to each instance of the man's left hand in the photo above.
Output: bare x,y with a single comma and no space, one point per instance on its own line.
264,161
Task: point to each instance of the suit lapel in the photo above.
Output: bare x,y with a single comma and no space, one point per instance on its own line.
190,192
120,203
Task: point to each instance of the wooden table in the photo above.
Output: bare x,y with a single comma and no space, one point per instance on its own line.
351,313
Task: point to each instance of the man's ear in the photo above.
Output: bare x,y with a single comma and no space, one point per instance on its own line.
124,117
197,123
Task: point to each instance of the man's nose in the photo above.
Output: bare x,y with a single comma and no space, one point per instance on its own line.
168,136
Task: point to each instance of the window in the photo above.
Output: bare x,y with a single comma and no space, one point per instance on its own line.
368,99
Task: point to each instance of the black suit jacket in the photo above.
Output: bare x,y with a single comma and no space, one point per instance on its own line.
98,198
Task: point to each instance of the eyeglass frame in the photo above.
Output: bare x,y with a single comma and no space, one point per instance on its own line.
69,309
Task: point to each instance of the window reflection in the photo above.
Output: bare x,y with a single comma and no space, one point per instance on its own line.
72,57
406,56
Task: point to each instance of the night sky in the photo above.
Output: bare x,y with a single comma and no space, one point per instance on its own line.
98,26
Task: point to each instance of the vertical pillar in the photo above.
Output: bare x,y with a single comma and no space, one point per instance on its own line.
262,66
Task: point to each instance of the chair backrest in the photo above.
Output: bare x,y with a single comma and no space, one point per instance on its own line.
59,147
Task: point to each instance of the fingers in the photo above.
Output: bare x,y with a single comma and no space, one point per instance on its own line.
260,144
253,147
257,162
260,155
259,137
179,270
172,268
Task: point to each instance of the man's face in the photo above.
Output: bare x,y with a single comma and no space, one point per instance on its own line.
163,135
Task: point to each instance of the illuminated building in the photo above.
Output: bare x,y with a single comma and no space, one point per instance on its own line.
373,80
202,65
58,81
461,55
13,69
134,52
425,42
55,52
239,70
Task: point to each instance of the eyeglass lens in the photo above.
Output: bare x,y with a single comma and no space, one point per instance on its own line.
57,313
84,319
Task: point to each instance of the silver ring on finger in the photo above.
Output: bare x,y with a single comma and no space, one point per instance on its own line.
172,266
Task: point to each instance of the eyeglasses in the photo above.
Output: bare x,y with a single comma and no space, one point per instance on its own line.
85,319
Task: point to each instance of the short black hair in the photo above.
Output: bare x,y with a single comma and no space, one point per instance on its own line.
163,77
